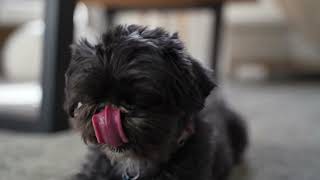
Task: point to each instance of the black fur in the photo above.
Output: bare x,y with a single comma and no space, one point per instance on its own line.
148,72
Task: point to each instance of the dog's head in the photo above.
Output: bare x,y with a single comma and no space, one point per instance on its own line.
145,74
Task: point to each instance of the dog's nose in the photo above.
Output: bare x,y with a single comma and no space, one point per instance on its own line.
100,107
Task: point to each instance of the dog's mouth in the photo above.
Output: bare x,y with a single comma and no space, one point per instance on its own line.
108,128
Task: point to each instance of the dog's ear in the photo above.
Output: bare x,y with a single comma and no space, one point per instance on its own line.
203,78
192,82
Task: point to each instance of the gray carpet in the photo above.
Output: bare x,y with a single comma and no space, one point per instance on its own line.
284,130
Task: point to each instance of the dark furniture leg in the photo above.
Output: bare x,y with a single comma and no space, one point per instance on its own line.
58,37
110,17
216,37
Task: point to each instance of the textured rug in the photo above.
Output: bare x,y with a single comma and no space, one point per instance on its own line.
284,121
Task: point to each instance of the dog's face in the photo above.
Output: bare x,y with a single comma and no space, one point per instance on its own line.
147,75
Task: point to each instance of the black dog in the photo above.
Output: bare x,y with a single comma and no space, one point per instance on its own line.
137,98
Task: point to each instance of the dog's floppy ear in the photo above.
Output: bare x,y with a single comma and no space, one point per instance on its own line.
196,81
203,78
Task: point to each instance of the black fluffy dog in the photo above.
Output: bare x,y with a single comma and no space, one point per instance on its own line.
150,94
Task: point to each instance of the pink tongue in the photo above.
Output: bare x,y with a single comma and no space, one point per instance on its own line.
108,127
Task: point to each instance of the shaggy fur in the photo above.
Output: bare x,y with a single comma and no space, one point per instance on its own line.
148,73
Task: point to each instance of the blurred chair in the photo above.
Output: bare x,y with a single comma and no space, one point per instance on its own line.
59,35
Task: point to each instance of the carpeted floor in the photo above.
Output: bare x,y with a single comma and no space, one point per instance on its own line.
284,124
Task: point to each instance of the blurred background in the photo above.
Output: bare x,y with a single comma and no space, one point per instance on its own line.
266,54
